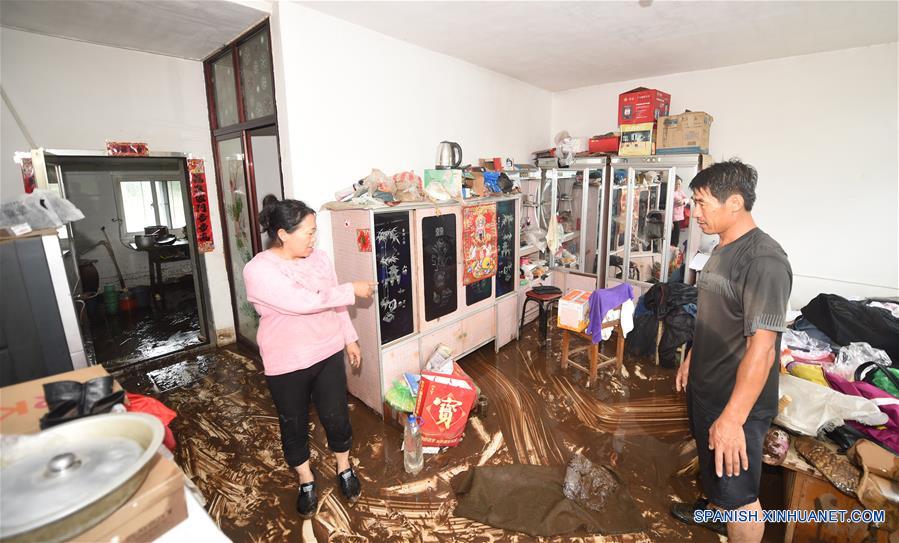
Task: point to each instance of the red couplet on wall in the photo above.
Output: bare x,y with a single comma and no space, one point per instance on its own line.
200,204
28,178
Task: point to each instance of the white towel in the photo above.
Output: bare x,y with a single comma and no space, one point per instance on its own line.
554,235
626,314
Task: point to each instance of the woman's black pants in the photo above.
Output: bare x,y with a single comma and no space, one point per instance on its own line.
325,384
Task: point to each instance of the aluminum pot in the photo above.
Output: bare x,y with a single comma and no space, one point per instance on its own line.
144,242
63,481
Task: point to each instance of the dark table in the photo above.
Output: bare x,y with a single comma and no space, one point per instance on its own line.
157,255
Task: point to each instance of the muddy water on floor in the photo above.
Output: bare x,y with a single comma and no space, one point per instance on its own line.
228,443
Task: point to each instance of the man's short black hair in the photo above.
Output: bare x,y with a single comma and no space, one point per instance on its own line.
726,178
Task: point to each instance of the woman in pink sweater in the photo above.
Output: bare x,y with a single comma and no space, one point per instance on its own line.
304,329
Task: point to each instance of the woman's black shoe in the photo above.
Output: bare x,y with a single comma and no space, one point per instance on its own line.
349,485
307,501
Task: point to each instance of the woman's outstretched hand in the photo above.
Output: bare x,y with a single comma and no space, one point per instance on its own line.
364,289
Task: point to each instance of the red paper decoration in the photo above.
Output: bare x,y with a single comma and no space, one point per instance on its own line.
200,204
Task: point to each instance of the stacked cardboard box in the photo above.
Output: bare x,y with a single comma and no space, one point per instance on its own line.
684,133
638,111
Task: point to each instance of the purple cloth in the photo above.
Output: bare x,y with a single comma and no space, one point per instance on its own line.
601,302
888,434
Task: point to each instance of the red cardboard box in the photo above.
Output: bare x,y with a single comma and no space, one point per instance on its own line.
607,143
642,105
443,404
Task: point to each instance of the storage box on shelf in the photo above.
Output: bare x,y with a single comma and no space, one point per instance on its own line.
416,257
607,143
686,133
642,105
637,139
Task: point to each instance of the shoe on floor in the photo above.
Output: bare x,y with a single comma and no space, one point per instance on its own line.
349,485
307,500
684,513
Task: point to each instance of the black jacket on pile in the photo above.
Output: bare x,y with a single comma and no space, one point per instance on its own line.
845,322
666,302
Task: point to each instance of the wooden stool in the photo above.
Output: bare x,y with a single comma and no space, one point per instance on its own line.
546,302
595,355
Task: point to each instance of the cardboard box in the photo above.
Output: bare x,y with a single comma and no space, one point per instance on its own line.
637,139
684,134
607,143
23,405
642,105
157,506
574,310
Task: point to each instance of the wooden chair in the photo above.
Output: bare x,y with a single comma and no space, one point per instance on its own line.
597,359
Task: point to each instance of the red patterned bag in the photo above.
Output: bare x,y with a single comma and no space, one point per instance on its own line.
444,402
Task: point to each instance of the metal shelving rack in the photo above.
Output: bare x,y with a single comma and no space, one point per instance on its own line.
627,215
585,185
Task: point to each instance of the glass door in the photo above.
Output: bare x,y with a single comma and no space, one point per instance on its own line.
595,208
264,164
568,205
242,114
238,216
619,228
650,251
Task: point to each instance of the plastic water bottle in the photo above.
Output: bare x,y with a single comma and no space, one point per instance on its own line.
413,458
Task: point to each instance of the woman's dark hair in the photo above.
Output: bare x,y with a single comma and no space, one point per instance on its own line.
277,214
726,178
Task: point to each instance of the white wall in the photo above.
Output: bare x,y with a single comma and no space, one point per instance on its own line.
352,99
821,130
74,95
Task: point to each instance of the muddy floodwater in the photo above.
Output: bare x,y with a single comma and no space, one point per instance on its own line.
229,445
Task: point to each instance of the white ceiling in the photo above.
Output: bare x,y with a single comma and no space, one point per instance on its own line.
565,45
180,28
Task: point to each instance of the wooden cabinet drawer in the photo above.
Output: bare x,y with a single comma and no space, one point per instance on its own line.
478,328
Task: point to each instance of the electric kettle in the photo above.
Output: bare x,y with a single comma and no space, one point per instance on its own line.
447,156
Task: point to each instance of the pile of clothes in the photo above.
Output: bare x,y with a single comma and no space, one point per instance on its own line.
840,384
841,373
675,305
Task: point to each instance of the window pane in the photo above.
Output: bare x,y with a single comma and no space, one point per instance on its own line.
162,203
176,204
223,82
256,76
137,204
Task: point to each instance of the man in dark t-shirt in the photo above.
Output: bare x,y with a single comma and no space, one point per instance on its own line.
731,373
